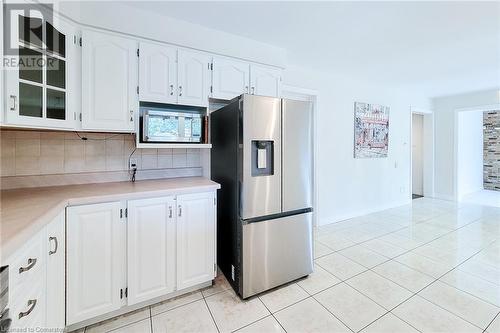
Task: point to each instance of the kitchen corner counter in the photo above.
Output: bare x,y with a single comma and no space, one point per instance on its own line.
24,212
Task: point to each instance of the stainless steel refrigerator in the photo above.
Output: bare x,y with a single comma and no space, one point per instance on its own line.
262,157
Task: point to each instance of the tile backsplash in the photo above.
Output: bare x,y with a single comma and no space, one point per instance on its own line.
26,153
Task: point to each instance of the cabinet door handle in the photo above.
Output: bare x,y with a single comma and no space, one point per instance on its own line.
180,210
253,90
56,245
169,212
246,89
31,263
131,115
180,90
14,102
31,304
171,90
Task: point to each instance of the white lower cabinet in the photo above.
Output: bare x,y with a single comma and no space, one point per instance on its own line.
195,239
150,248
56,249
27,278
121,254
95,253
36,281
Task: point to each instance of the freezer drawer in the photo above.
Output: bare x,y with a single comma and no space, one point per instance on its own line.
297,155
275,252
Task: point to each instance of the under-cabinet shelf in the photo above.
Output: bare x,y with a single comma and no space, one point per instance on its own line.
174,145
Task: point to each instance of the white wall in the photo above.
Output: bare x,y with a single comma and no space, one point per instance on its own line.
417,154
350,187
469,152
119,17
428,142
444,133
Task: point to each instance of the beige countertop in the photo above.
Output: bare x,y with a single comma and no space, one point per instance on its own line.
24,212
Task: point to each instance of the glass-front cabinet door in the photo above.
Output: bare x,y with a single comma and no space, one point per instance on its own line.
39,92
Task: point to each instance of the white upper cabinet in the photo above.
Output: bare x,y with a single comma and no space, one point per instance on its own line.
173,76
157,73
150,248
40,91
193,78
109,82
230,78
265,81
195,239
95,260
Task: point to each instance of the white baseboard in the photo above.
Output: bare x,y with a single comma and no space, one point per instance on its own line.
346,216
442,196
131,308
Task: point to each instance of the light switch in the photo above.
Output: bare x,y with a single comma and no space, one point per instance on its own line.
261,158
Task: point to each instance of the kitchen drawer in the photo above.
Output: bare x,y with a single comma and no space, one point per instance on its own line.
27,266
31,319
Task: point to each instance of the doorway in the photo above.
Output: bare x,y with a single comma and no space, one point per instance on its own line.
417,160
421,153
474,145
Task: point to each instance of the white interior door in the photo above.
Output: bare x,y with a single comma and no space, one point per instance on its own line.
417,154
109,82
157,73
150,248
195,239
265,81
194,78
95,258
55,238
230,78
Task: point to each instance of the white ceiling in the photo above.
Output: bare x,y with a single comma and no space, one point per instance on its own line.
440,47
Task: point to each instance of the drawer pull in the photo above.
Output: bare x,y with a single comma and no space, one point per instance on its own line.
31,263
31,304
56,243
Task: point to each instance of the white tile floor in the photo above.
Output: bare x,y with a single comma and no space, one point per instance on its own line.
433,266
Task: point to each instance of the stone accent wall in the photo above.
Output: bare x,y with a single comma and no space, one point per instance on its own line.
491,150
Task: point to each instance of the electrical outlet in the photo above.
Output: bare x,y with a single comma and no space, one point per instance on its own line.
132,163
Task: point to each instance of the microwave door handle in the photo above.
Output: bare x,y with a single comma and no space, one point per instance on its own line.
145,131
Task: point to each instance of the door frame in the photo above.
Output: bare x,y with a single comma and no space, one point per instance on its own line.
305,94
428,151
480,108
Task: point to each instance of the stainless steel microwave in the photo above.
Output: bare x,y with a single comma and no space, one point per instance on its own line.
167,124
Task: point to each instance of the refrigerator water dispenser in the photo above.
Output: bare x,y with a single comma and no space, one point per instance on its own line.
262,158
